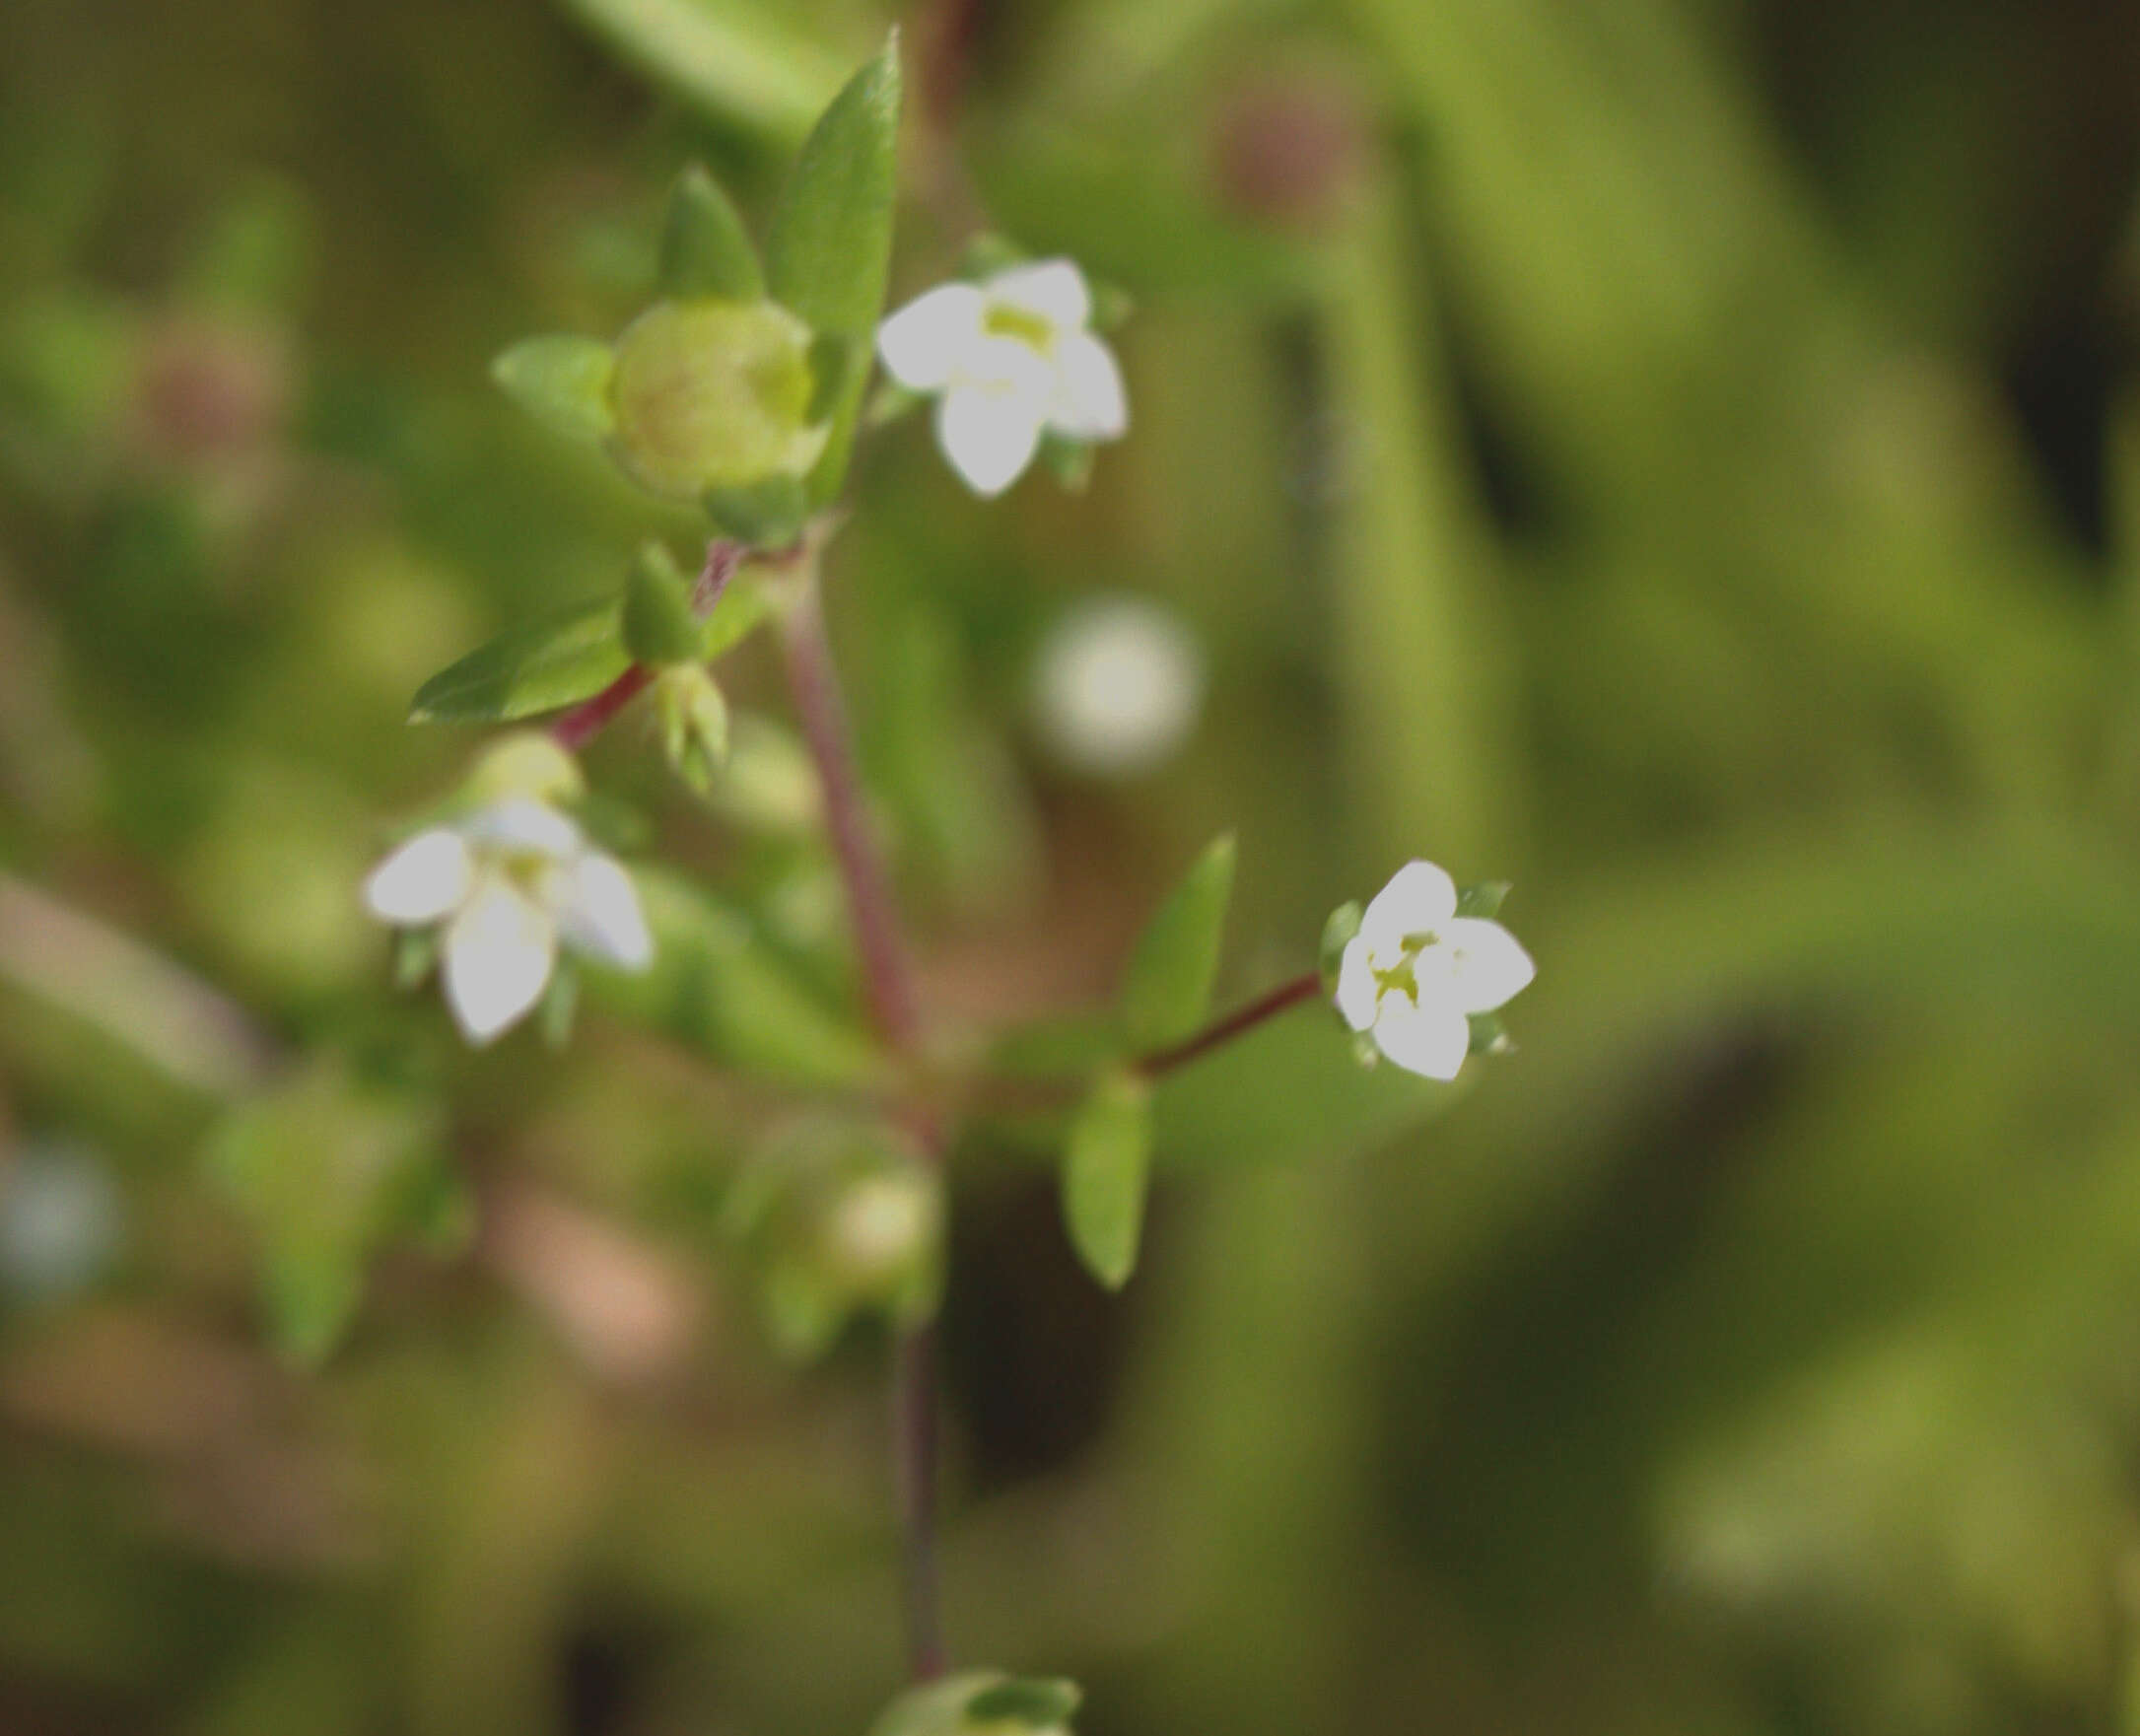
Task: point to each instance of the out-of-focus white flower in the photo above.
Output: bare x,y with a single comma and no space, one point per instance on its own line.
506,883
1116,686
61,1220
1011,358
1417,971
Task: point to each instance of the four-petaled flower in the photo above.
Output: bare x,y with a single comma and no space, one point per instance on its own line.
1013,359
507,883
1417,971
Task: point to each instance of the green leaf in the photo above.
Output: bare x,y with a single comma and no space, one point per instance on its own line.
764,515
563,382
657,622
830,246
326,1171
705,248
717,985
1040,1702
835,360
741,610
543,666
1337,935
1484,899
732,60
1168,986
1105,1174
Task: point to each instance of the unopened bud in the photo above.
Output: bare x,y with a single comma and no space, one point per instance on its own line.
714,394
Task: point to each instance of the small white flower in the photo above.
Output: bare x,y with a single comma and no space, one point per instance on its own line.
1117,687
1417,971
1011,358
507,883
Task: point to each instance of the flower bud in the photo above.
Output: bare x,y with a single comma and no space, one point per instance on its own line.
714,394
526,763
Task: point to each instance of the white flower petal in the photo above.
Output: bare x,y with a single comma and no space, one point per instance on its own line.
1089,402
1054,289
1420,897
499,951
422,882
1487,965
600,915
922,342
519,822
1430,1039
990,435
1358,990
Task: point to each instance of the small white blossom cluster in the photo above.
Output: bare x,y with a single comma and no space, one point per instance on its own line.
504,885
1008,359
1417,971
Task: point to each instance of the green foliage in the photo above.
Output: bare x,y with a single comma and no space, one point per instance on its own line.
1106,1170
977,1702
327,1171
551,662
656,621
718,986
829,251
743,65
837,1217
1167,988
706,252
564,382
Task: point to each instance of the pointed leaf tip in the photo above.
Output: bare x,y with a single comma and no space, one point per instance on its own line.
1167,988
706,249
829,250
1106,1171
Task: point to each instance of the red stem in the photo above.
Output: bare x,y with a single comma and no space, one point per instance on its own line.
888,985
590,717
1300,990
887,980
575,729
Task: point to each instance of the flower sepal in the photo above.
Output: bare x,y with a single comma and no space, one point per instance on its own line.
694,723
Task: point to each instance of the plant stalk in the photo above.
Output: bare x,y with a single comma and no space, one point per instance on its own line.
888,986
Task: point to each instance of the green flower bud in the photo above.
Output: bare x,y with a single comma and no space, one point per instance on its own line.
714,394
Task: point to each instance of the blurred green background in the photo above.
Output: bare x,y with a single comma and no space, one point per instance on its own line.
1675,454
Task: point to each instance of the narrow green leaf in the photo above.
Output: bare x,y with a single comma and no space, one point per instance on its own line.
743,65
543,666
326,1171
830,246
835,359
705,248
657,622
719,985
1040,1702
1104,1176
741,610
563,382
1168,986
